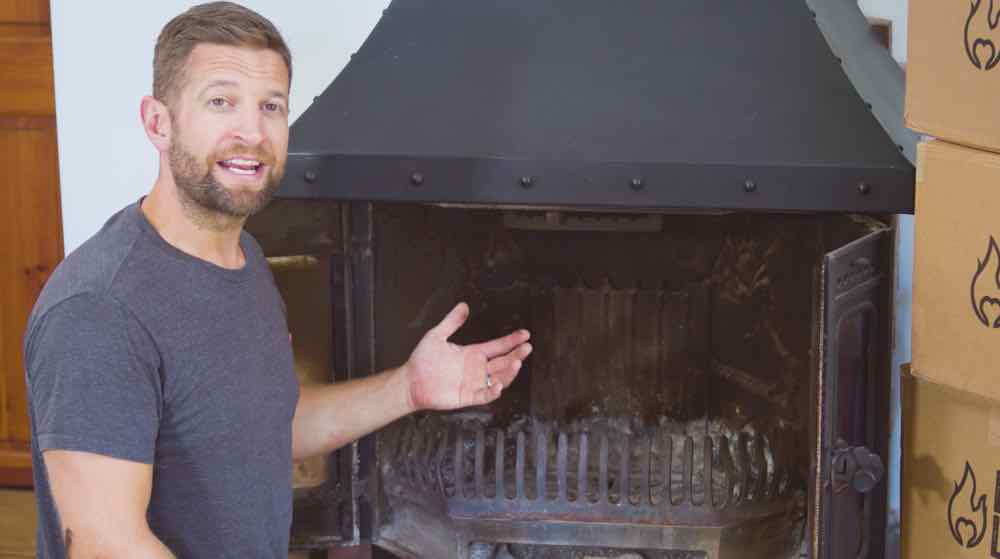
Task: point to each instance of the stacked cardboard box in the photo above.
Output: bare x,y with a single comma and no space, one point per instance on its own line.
951,395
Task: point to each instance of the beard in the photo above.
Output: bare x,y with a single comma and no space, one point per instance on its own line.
198,185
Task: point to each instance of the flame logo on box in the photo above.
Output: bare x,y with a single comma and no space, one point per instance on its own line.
962,518
985,290
980,30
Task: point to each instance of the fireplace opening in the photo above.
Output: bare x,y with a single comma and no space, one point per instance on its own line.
671,406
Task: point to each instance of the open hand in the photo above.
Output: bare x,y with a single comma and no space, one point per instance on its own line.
443,375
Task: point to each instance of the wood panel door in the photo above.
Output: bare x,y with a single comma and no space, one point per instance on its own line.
31,226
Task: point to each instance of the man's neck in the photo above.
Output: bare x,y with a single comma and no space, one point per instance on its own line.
193,229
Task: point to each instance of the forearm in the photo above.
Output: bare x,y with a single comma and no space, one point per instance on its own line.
330,416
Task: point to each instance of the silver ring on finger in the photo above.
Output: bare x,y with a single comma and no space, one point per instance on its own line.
489,380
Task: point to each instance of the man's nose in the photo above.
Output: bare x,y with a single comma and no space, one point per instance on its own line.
249,127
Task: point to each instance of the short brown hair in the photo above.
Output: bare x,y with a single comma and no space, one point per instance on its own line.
221,23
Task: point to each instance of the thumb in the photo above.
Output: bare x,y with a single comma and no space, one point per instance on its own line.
453,321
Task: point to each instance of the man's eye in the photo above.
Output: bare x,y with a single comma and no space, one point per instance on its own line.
272,107
218,102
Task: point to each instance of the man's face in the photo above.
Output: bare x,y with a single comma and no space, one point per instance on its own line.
230,128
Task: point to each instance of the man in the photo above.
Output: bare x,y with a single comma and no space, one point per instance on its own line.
165,411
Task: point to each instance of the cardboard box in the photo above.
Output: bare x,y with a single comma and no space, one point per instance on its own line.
956,276
951,473
953,71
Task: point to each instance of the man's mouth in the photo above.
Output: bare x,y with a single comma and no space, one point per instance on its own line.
241,166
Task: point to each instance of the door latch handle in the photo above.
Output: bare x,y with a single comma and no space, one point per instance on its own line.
855,467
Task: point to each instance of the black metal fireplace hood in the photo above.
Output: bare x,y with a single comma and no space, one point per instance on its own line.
645,104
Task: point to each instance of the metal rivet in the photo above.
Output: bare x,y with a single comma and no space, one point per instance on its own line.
417,179
749,186
864,188
637,183
311,176
526,181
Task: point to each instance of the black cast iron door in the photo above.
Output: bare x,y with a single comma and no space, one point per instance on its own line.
853,395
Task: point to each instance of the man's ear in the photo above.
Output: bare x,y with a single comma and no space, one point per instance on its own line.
156,121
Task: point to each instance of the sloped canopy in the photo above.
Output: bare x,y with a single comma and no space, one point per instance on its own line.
646,104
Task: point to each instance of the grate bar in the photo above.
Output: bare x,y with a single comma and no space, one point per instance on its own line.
581,469
561,467
498,466
480,460
519,471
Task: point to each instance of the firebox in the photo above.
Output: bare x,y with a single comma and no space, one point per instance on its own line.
688,204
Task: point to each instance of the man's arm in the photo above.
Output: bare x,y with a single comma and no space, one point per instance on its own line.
438,375
330,416
102,505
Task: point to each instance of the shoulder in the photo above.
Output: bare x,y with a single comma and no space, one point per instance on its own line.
86,277
93,266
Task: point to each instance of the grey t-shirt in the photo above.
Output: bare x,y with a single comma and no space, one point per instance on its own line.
138,351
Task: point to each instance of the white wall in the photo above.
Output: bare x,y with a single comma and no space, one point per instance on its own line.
103,57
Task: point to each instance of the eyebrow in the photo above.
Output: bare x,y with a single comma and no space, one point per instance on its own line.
217,83
230,83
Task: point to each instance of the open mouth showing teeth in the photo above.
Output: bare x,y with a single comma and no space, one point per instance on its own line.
241,166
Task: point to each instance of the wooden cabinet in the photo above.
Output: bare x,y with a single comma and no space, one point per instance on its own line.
31,227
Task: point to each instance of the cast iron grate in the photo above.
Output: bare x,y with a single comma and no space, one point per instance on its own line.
669,474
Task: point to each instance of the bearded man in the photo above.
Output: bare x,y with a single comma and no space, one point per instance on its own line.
165,412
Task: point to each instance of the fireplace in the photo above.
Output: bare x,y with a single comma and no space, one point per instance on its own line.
707,275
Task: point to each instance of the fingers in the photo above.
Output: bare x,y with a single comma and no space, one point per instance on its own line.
453,321
499,374
503,370
512,359
503,345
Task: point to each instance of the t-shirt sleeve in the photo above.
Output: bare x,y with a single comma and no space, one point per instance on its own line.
93,380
